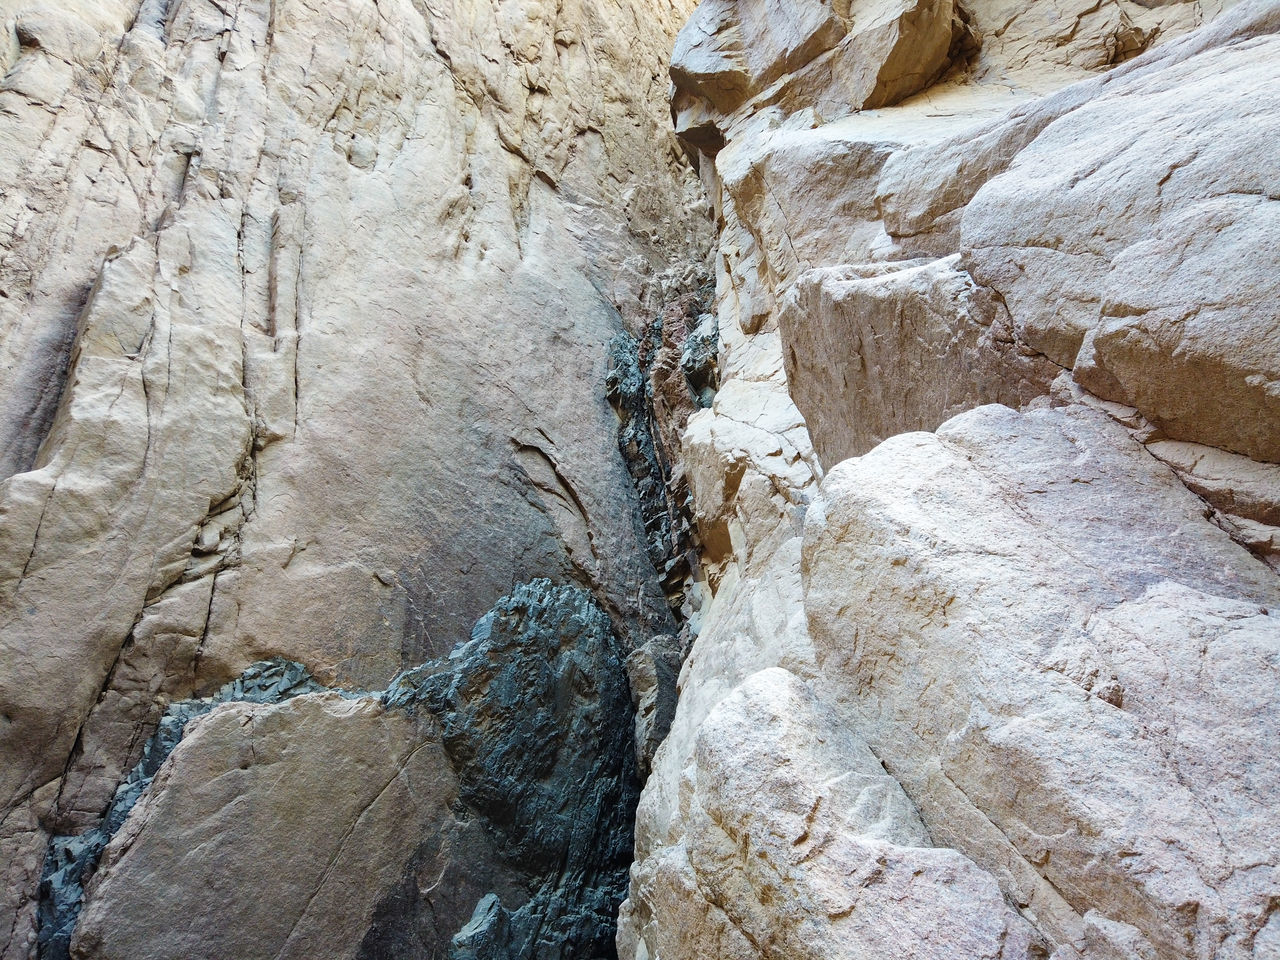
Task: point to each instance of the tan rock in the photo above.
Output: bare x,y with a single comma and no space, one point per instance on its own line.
274,830
879,350
302,336
803,846
1233,484
835,58
1035,544
1036,676
1106,217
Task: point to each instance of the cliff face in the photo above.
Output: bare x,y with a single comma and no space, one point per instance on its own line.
989,650
304,315
377,457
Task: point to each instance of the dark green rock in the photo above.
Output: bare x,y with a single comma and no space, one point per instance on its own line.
536,718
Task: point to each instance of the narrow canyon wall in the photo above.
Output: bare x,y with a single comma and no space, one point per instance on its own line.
380,450
989,644
304,316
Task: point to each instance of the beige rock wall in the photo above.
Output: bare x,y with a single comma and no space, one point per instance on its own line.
303,314
1051,627
216,840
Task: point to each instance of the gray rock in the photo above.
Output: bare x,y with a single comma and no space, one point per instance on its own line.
535,717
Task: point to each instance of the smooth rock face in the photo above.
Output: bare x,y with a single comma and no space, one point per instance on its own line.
211,863
72,860
303,318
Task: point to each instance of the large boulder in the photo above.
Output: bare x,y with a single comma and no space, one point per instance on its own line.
1068,669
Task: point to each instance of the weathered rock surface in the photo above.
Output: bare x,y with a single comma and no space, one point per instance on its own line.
480,807
886,348
1059,657
799,844
954,522
536,720
212,863
1062,687
303,316
72,860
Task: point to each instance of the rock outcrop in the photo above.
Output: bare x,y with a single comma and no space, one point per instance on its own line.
988,655
304,310
913,594
479,807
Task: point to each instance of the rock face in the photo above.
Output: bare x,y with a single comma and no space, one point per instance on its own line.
1092,737
535,718
988,654
304,310
925,572
480,807
71,861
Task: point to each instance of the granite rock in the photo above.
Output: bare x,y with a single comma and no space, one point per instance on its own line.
1033,628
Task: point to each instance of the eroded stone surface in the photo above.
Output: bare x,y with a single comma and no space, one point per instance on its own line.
799,844
1019,615
885,349
72,860
480,807
996,665
303,320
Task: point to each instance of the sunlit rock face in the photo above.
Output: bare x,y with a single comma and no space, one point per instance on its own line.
304,313
988,494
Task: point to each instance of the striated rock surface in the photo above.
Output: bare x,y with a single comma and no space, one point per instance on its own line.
304,310
1030,655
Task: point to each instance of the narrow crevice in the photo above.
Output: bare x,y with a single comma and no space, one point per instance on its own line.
654,384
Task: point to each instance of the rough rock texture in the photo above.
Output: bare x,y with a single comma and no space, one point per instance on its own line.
654,383
535,718
480,807
954,521
1089,729
303,316
1042,638
896,346
800,845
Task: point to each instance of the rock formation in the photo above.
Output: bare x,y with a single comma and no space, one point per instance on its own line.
989,652
304,309
422,425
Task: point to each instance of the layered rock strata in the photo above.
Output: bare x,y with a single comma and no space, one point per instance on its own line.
984,492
